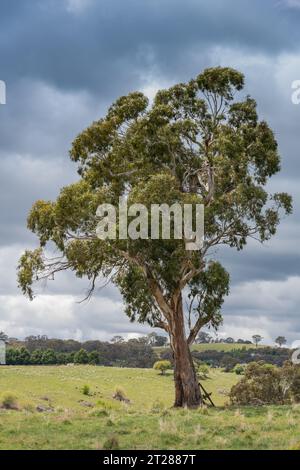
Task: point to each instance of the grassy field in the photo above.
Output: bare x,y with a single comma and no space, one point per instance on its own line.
68,419
214,347
221,347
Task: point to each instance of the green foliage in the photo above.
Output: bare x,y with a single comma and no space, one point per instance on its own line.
290,375
162,366
261,385
94,358
36,357
49,357
31,263
239,369
203,371
132,353
81,357
194,144
86,390
265,384
19,356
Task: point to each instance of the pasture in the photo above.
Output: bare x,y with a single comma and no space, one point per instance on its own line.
54,413
226,347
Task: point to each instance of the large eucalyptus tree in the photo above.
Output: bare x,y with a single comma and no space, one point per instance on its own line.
197,143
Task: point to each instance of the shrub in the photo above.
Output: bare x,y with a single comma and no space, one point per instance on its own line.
81,357
203,371
86,390
24,356
239,369
49,357
93,358
261,385
290,374
37,357
9,401
107,405
228,363
162,366
265,384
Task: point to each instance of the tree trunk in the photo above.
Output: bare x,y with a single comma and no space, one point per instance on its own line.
187,390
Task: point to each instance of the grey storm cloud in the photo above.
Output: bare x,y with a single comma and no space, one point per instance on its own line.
64,62
112,42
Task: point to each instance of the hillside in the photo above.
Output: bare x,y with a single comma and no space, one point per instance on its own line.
214,347
222,347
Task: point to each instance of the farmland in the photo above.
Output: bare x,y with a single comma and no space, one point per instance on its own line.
54,413
226,347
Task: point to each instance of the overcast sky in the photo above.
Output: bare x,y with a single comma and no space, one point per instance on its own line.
64,62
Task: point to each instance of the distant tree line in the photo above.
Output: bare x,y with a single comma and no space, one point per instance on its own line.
44,351
205,338
229,359
139,352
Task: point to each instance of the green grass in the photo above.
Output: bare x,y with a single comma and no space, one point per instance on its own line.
221,347
148,422
214,347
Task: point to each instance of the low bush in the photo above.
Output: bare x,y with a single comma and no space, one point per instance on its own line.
239,369
86,390
9,401
265,384
203,371
162,366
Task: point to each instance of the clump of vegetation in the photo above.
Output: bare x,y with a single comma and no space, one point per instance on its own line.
239,369
290,374
261,385
203,371
9,401
28,406
81,357
86,390
112,443
99,413
120,395
107,405
162,366
265,384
